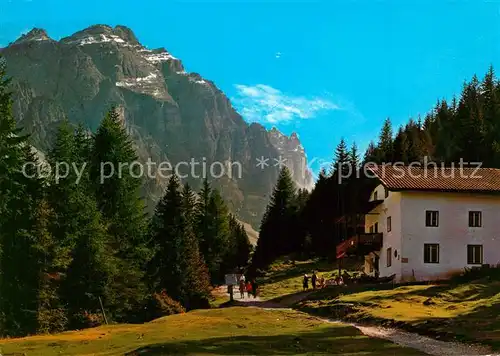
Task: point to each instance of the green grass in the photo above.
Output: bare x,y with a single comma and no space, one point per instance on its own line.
468,312
225,331
283,278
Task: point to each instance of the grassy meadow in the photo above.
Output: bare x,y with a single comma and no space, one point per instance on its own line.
224,331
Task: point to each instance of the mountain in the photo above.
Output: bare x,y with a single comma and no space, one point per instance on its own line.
173,116
292,151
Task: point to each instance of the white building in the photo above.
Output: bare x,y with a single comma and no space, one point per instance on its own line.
430,223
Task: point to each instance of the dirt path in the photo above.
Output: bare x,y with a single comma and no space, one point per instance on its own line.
422,343
284,302
425,344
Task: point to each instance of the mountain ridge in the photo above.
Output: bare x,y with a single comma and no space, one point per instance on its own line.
171,115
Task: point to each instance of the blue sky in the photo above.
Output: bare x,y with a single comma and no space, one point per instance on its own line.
325,69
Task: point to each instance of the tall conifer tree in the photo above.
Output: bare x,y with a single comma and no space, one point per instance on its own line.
275,226
20,194
117,181
177,264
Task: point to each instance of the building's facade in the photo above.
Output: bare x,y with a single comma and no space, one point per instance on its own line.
434,226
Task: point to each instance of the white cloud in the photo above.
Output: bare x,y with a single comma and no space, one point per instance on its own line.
262,103
278,54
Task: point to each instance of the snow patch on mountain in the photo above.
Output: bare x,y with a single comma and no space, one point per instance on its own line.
102,38
157,57
129,82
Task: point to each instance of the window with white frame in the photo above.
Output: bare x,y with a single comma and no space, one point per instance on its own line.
431,253
475,218
474,254
432,218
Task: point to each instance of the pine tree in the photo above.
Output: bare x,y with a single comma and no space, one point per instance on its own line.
275,226
490,102
212,229
218,236
239,249
78,229
168,230
51,315
83,146
117,183
19,196
177,264
471,124
196,284
302,198
385,143
370,154
415,150
317,214
354,157
341,160
203,223
190,202
401,146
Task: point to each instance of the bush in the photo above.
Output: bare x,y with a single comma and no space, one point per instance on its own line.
87,319
51,320
160,304
491,273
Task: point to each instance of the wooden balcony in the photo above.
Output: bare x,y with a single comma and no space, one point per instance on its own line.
360,245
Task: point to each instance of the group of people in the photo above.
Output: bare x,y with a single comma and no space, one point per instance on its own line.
250,287
315,281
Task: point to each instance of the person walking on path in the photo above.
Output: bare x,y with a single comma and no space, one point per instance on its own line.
313,280
305,284
242,286
249,289
254,287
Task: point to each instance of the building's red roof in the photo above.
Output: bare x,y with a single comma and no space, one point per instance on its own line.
399,177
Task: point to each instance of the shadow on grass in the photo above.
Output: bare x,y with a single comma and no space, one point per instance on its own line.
338,340
435,289
479,324
291,271
257,303
333,292
445,292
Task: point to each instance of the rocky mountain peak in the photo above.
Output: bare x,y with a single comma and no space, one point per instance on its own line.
170,114
291,149
127,34
98,34
36,34
96,29
274,131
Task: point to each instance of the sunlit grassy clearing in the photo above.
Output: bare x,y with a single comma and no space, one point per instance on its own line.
213,332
